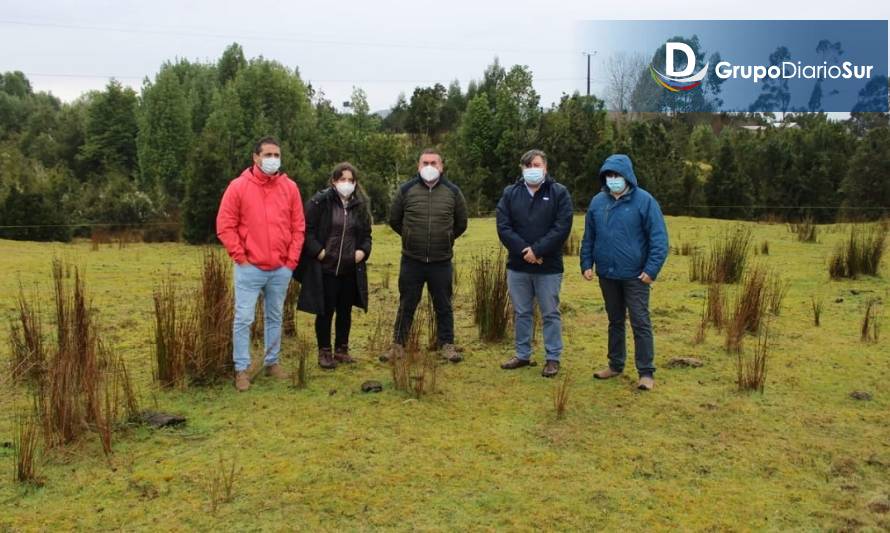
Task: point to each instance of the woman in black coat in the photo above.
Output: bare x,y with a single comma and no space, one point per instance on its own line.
332,270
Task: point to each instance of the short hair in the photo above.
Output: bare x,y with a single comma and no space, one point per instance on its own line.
432,151
258,147
528,157
338,171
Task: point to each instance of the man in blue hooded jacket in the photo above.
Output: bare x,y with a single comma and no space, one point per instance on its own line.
626,239
534,219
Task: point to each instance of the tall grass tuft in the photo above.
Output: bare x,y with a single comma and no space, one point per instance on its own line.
288,320
860,254
221,483
748,309
726,260
25,442
817,310
415,372
684,249
491,307
259,321
212,359
175,334
572,246
301,376
806,230
380,336
870,325
751,371
68,395
561,396
776,291
26,341
715,305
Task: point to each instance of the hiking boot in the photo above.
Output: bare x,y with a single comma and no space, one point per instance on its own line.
515,363
276,371
449,352
606,373
395,351
646,383
242,381
551,368
341,355
326,359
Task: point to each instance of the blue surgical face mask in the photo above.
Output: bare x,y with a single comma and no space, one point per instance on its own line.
270,165
615,183
532,175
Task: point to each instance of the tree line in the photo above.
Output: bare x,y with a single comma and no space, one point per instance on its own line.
161,158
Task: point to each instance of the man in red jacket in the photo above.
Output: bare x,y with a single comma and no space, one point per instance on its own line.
260,222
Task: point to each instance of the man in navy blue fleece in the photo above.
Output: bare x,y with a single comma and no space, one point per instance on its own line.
626,240
534,219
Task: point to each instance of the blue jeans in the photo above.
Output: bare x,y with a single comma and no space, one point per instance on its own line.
622,296
524,289
249,282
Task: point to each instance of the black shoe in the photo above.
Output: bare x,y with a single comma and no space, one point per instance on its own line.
515,363
551,368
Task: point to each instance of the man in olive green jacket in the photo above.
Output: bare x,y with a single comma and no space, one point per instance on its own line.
429,212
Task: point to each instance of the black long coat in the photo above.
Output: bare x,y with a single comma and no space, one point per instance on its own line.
318,212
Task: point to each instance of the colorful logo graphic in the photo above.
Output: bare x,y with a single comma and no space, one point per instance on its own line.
677,81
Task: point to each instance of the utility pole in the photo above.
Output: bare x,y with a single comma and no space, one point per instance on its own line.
588,54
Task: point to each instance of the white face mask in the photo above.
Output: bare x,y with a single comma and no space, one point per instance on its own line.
533,176
616,184
270,165
345,188
429,173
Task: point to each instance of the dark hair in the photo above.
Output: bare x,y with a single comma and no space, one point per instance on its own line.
258,147
530,156
365,207
340,168
432,151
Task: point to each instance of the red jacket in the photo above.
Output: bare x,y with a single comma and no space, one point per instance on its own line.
260,220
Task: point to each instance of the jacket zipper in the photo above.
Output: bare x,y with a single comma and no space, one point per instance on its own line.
429,230
342,238
266,218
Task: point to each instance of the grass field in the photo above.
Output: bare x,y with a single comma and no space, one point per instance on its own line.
486,452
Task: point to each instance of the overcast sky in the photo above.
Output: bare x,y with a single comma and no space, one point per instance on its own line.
68,47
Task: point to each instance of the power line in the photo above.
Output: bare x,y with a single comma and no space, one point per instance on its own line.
325,42
121,77
151,224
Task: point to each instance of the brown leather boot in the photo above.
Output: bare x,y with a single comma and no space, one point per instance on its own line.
326,359
242,381
449,352
646,383
341,355
515,363
276,371
606,373
551,368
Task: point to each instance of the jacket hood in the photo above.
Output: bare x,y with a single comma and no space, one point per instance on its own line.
621,164
254,174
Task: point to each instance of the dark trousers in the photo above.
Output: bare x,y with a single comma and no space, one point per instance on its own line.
632,296
339,297
438,278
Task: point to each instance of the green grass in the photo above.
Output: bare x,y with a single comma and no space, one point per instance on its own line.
486,451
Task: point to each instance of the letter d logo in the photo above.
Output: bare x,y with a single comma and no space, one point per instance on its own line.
669,50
